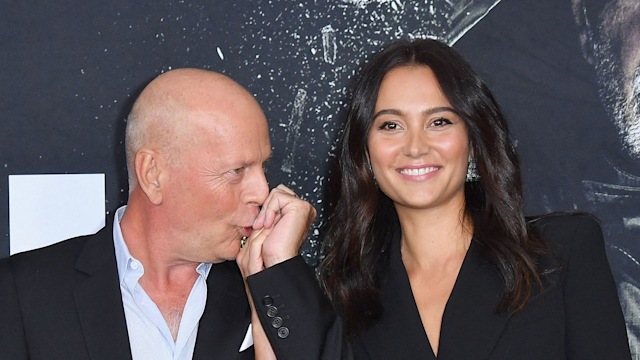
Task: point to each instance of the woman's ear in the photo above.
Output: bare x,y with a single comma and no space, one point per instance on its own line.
148,169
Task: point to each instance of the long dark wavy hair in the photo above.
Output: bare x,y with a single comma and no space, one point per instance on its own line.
358,234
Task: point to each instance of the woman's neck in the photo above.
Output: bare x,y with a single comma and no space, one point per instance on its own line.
433,239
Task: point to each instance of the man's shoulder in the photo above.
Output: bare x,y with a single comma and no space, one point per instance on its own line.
52,256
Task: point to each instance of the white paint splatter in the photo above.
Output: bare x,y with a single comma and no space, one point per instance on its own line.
220,54
329,45
631,223
293,129
608,193
363,3
397,5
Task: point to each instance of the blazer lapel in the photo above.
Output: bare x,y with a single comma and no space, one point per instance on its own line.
226,317
99,301
399,333
470,325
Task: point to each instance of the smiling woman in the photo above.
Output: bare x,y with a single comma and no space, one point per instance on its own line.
421,106
419,149
425,261
418,145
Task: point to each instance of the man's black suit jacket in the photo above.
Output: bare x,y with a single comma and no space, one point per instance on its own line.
64,302
576,317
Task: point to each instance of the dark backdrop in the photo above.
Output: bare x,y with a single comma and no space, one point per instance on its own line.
70,70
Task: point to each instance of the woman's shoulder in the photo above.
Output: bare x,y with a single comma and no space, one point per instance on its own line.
563,231
564,222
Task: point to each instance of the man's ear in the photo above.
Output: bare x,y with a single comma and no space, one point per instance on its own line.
148,167
585,31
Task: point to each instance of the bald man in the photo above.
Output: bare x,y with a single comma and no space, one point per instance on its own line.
156,282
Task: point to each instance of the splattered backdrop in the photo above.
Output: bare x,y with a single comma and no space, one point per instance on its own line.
71,69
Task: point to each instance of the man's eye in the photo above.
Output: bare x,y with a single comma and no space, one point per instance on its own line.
237,171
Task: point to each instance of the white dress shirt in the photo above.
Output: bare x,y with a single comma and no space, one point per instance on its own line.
149,334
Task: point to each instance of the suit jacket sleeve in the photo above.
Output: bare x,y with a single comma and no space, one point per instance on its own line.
595,324
296,315
12,340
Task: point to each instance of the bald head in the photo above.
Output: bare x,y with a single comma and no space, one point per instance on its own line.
170,108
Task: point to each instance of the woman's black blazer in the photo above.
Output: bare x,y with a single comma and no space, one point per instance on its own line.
577,316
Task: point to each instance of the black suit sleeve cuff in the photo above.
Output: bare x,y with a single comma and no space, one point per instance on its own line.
295,314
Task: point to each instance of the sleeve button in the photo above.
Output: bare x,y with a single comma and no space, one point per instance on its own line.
276,322
272,311
267,300
283,332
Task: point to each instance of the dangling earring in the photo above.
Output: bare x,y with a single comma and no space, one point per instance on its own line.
369,166
371,171
472,170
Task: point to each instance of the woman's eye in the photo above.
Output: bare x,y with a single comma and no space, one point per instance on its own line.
388,125
441,122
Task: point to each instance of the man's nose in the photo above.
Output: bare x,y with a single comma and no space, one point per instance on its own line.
257,189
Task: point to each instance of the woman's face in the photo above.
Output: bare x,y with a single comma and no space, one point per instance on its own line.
418,145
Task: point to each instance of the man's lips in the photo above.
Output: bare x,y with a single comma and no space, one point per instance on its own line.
246,230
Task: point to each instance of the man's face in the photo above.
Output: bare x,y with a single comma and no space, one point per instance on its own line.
218,183
614,41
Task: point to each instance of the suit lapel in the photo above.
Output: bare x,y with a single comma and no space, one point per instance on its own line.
226,316
470,325
99,302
